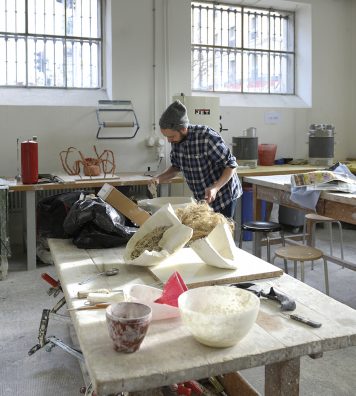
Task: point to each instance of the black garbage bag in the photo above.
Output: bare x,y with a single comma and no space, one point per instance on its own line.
95,224
92,237
52,211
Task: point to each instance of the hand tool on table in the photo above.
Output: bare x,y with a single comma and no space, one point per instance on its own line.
287,302
303,319
109,272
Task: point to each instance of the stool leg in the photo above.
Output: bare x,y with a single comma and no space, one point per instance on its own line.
302,271
281,233
256,244
326,275
240,239
295,269
268,249
312,241
331,238
285,266
341,241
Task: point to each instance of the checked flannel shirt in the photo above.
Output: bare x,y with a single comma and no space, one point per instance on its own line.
202,157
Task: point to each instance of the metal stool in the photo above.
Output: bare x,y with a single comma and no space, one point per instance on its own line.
261,228
301,254
311,219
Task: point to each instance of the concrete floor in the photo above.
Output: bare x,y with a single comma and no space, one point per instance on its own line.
23,296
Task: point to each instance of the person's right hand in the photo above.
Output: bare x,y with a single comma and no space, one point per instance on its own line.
154,181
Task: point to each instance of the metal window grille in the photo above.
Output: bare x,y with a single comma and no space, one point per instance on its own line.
242,49
50,43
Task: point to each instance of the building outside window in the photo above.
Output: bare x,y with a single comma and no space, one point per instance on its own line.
242,49
50,43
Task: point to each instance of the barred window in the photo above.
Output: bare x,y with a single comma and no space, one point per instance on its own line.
242,49
50,43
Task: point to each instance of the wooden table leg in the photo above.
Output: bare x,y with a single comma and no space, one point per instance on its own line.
282,378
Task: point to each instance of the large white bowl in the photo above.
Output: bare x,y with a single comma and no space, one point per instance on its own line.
218,316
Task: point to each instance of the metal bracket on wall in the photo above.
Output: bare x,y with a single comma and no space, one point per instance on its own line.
118,114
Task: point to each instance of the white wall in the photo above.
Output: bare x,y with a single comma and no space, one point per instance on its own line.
72,122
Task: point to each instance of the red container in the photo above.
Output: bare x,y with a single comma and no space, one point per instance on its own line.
29,162
266,154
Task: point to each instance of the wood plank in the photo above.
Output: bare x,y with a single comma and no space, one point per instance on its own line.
236,385
196,273
282,378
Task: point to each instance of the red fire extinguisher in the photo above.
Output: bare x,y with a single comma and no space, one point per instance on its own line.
29,161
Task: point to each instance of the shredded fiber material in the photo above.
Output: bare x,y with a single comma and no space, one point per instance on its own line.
149,242
202,219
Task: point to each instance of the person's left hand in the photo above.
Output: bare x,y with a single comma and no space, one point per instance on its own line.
210,194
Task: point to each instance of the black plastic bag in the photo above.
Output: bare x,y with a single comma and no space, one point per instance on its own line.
52,211
95,224
92,237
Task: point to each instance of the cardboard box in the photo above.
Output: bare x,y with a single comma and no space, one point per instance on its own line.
123,204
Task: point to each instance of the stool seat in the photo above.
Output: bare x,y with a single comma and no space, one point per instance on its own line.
261,226
310,221
316,217
300,253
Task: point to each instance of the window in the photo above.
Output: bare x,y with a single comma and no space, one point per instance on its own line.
242,49
50,43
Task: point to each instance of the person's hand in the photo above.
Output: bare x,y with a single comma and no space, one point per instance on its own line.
210,194
154,181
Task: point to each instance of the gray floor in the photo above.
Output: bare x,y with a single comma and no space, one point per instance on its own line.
23,296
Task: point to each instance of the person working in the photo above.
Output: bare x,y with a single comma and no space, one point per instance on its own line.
204,159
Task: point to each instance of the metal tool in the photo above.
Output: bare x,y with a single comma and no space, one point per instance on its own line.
109,272
55,288
287,303
304,320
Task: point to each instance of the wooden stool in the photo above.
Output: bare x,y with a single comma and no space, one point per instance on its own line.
310,221
261,228
301,254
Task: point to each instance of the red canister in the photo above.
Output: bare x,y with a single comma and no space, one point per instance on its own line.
29,161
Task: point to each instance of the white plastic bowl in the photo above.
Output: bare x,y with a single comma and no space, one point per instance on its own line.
218,316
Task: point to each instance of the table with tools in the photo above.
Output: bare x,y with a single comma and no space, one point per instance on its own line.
169,354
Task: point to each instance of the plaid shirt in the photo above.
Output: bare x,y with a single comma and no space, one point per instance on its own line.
202,158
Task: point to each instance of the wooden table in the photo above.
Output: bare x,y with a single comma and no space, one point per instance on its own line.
169,354
123,179
277,189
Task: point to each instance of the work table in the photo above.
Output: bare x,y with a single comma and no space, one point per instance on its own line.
169,354
122,179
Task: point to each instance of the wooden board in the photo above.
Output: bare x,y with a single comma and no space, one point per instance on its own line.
196,273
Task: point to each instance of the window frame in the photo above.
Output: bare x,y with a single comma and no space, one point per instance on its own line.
65,38
242,48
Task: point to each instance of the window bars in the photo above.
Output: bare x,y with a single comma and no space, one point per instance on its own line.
50,43
242,49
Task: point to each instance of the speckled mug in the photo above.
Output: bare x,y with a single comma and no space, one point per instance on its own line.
128,324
